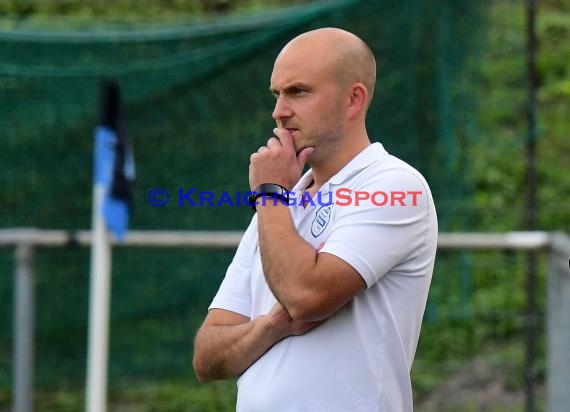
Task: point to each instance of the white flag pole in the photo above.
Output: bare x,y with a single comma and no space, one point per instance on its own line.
98,357
100,288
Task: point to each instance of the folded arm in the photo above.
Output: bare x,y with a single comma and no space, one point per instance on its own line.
228,343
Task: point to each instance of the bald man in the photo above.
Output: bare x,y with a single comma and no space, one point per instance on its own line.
321,307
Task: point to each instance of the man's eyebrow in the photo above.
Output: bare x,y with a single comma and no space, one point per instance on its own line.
296,85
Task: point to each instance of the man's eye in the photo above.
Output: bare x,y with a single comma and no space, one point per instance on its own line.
297,92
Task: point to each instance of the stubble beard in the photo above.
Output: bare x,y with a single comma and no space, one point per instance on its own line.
329,138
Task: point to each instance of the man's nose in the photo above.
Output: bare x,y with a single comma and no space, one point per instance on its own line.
282,110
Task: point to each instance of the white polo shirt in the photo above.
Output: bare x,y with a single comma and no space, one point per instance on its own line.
360,358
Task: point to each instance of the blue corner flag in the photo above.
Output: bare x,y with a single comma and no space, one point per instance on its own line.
114,164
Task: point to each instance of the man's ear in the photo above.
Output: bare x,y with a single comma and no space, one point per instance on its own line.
357,98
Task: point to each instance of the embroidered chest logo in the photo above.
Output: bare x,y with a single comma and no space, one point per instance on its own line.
321,220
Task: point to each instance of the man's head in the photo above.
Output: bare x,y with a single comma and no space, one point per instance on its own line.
323,81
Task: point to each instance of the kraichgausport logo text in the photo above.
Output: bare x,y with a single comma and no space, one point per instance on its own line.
340,197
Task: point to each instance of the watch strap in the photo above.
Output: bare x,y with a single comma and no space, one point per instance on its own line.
268,189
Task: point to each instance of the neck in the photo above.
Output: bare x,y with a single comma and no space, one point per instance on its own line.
329,164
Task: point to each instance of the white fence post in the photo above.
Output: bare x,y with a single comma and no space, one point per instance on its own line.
558,325
23,329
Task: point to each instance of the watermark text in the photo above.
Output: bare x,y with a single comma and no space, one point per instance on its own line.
341,197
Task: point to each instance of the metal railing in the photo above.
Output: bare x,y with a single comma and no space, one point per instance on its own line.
25,240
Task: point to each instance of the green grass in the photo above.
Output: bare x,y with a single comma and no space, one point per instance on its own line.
141,397
492,381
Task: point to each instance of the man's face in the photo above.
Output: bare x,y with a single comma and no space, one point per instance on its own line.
309,102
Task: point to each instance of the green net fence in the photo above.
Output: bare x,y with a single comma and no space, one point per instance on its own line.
196,105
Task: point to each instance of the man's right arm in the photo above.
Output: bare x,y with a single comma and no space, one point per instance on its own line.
228,343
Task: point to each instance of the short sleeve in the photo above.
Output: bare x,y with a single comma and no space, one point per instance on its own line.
234,293
387,230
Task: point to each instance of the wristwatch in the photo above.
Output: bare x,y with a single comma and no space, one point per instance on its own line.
268,189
